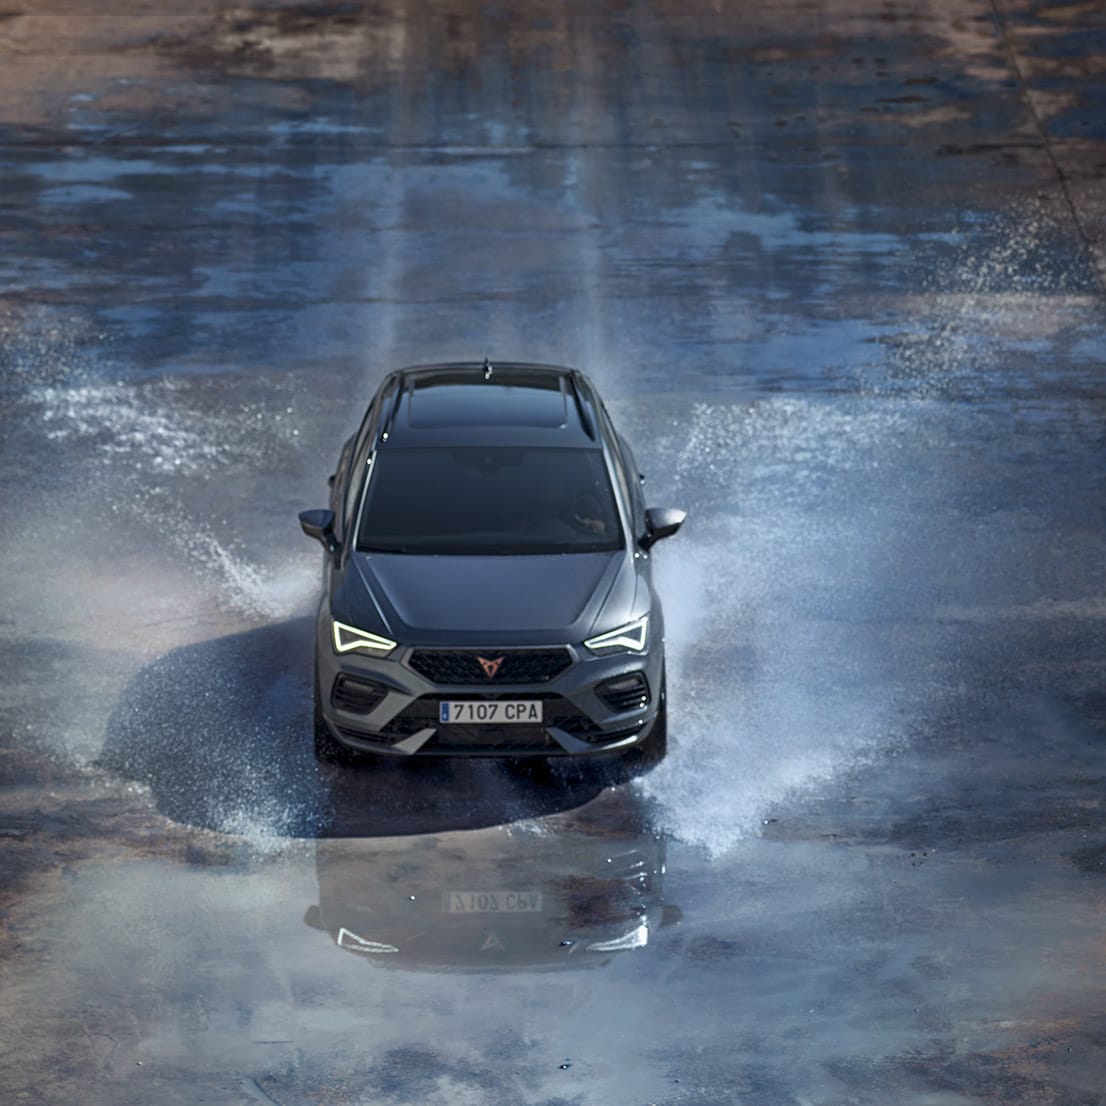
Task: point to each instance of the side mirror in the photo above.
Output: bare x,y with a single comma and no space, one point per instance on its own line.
320,526
661,522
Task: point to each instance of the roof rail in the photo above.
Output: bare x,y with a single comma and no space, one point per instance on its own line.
577,382
394,409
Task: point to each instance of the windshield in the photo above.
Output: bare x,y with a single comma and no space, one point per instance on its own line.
489,500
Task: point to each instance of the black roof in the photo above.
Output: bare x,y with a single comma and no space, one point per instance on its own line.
477,403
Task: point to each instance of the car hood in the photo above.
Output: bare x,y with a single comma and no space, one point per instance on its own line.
489,600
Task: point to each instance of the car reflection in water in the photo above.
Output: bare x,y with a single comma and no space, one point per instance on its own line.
568,890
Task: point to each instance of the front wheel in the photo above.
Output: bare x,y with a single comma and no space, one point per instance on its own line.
327,750
653,749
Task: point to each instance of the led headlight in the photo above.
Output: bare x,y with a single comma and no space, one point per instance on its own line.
349,638
636,939
625,639
347,939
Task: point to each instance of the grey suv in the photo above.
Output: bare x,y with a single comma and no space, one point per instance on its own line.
487,584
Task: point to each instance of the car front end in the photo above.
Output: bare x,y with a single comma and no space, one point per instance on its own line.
487,585
573,698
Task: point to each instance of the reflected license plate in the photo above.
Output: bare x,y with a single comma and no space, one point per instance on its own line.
491,712
491,902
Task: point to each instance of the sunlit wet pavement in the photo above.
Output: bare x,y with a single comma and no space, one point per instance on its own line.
838,269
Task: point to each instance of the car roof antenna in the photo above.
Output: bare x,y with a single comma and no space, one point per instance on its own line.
487,369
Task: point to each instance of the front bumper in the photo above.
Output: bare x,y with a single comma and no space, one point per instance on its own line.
385,706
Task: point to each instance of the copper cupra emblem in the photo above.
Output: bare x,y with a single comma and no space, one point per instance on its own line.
490,667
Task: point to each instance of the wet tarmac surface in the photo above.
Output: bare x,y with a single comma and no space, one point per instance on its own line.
839,270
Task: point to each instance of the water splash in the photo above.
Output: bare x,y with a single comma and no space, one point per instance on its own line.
1009,292
124,423
148,450
785,604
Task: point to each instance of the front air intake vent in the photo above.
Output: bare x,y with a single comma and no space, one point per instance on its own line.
625,692
357,696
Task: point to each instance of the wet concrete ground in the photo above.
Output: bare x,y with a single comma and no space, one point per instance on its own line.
839,268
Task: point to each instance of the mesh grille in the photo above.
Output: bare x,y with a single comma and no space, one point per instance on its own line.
516,666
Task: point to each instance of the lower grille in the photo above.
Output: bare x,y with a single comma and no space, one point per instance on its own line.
500,739
379,738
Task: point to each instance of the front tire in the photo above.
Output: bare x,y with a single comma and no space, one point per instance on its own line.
327,749
654,748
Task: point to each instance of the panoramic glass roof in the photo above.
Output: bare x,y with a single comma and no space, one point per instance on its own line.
509,398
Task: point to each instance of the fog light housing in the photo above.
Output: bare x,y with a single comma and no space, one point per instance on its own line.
357,696
625,692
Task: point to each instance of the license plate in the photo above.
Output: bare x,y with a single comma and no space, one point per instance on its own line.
490,711
491,902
